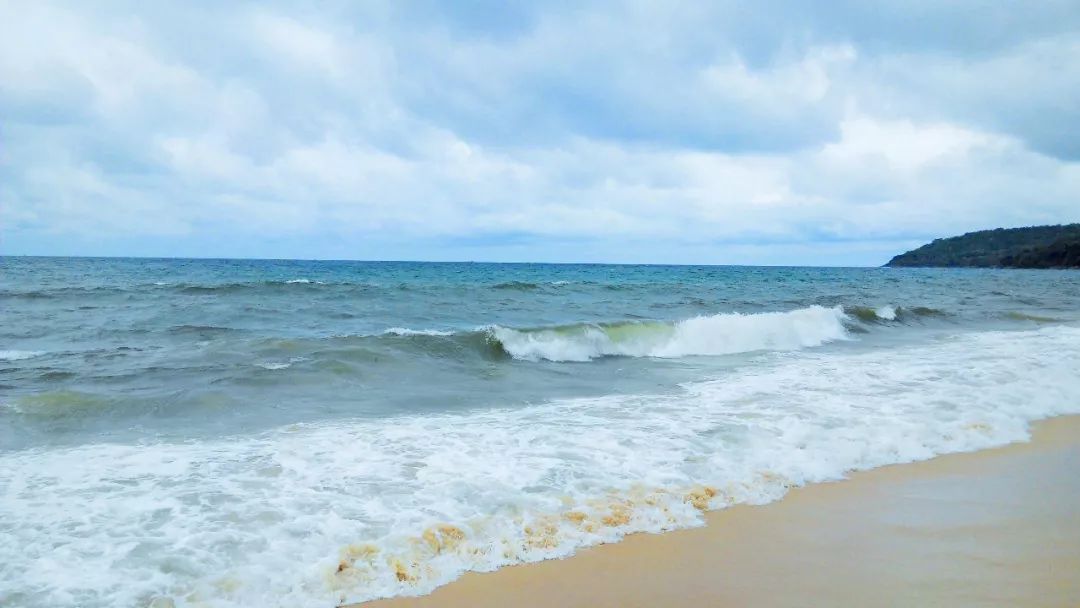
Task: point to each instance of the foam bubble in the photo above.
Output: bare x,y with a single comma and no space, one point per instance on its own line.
310,515
18,355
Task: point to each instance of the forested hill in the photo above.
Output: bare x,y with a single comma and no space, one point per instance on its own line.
1034,247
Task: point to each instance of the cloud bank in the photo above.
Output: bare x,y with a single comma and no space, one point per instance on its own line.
772,132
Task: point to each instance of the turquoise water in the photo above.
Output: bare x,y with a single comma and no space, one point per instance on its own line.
218,421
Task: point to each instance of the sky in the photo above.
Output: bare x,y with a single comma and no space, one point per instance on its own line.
801,133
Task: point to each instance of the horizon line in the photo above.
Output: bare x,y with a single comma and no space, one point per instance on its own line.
371,261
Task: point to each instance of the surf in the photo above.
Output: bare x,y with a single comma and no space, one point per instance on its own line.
483,489
720,334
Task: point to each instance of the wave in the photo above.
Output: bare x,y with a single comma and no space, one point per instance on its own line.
721,334
224,288
1023,316
516,285
19,355
58,404
405,331
325,514
530,286
713,335
888,313
183,288
59,292
274,365
201,329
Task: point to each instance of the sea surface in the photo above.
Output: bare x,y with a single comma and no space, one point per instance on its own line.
296,433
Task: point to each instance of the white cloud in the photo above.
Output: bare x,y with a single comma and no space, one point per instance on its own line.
903,145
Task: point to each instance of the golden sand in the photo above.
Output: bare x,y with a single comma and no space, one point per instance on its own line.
993,528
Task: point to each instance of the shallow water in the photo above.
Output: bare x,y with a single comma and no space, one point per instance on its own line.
229,433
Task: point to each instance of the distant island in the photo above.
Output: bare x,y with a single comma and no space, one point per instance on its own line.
1033,247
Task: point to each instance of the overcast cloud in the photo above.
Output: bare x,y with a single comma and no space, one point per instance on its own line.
704,132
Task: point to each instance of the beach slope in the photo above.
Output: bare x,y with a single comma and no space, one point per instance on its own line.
999,527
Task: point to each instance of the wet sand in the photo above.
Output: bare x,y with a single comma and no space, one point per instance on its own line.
999,527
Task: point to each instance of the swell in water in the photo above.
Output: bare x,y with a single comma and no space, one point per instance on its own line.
290,517
720,334
260,285
302,359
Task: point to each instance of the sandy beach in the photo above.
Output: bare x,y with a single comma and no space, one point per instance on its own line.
999,527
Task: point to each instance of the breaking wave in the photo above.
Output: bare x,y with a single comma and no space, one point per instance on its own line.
720,334
879,314
711,335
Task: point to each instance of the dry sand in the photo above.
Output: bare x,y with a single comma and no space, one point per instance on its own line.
994,528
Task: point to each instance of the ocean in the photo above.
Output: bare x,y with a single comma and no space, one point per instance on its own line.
308,433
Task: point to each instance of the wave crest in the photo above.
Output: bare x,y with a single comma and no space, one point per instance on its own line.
19,355
720,334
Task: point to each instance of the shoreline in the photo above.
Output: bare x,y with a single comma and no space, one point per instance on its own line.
993,527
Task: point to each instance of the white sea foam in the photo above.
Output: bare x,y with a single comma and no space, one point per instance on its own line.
720,334
275,365
19,355
311,515
887,313
272,365
405,331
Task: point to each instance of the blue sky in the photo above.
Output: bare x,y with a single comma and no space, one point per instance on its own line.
833,133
